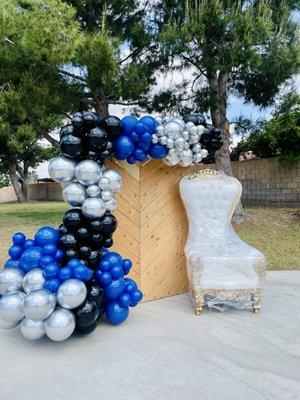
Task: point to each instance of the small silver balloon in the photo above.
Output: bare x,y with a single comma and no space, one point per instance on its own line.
158,120
189,125
186,146
93,207
39,304
71,293
111,205
74,194
194,139
192,129
172,152
93,190
197,158
179,121
197,148
185,135
88,172
154,139
171,160
186,158
204,153
173,130
163,140
8,325
104,183
167,119
170,143
33,280
160,131
31,329
114,178
179,143
62,169
60,325
11,280
11,309
106,195
200,129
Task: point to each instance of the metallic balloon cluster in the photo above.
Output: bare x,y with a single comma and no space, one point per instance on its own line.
190,140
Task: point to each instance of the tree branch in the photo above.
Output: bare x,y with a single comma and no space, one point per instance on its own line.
133,103
41,131
74,76
194,64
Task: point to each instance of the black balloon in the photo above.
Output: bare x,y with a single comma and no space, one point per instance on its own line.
82,235
84,252
73,220
97,138
190,118
71,146
95,292
94,259
114,126
66,130
90,119
109,224
62,229
87,313
96,225
67,241
85,330
108,242
97,240
69,254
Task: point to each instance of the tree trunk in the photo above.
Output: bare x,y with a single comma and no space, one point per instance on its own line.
218,87
101,105
16,185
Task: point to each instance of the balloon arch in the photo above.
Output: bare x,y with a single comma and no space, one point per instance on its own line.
66,279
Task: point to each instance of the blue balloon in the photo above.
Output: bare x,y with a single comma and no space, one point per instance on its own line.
140,154
114,289
104,278
52,284
65,273
150,123
135,296
15,252
113,258
124,146
50,249
59,255
117,272
31,258
11,263
131,160
124,300
130,285
140,128
51,271
19,238
134,136
28,243
104,265
46,260
116,314
45,235
145,138
128,124
157,151
126,264
82,273
104,250
73,263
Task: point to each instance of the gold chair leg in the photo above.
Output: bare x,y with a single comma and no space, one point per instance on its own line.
198,304
256,303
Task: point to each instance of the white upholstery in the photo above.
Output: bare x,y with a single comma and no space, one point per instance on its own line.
224,260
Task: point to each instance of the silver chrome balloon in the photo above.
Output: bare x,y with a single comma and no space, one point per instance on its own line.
111,205
189,125
163,140
74,194
200,129
11,309
11,280
179,143
31,329
171,160
60,325
114,178
33,280
106,195
197,158
154,139
39,304
93,207
173,130
8,325
194,139
185,135
193,130
179,121
88,172
170,143
71,293
197,148
204,153
160,131
93,190
62,169
104,183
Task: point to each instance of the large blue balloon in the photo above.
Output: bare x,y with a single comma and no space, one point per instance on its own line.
116,314
15,251
113,258
11,263
149,122
140,128
31,258
19,238
128,124
140,154
115,289
158,151
46,235
124,146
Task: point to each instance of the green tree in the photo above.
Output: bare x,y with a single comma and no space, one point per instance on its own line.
19,151
244,47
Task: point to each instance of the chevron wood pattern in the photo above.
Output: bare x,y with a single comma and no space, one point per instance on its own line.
152,227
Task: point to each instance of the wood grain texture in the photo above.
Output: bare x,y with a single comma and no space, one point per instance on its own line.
152,227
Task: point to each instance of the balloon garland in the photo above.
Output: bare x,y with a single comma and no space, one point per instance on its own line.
66,279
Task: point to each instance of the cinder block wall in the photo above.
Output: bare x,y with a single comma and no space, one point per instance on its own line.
265,183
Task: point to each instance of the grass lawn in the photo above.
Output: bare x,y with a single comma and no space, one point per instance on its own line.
274,231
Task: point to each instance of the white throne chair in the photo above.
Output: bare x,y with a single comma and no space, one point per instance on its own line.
220,265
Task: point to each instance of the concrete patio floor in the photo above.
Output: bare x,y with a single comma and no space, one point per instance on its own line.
165,352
